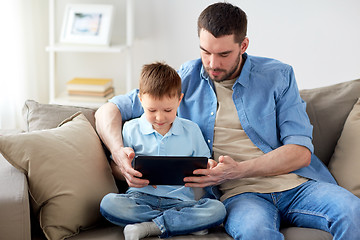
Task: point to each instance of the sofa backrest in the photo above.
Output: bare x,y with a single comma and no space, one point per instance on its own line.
328,108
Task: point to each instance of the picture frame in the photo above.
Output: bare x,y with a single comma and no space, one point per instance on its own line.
87,24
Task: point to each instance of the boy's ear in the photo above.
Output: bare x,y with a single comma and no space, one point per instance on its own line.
139,96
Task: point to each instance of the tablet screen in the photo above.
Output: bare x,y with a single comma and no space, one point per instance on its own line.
168,170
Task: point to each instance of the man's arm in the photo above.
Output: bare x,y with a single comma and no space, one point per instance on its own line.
282,160
109,127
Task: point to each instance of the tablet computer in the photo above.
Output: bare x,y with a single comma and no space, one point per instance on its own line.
168,170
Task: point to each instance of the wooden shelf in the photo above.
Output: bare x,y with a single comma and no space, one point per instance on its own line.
63,99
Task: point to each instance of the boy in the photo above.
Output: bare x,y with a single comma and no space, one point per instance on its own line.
162,210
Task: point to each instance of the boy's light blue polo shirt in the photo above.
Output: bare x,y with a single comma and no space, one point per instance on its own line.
183,139
267,100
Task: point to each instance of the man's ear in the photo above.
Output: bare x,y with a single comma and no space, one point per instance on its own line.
244,45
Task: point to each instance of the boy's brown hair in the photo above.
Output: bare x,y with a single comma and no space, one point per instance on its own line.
158,80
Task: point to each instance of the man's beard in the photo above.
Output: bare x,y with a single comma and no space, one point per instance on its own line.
228,74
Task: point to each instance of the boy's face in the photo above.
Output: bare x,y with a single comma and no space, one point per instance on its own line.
160,113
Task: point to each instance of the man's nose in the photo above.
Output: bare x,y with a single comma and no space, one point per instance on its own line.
214,61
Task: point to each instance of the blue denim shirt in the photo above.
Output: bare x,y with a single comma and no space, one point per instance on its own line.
267,100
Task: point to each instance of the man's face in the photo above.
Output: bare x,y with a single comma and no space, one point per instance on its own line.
221,56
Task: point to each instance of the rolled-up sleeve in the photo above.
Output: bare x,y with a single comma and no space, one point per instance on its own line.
293,121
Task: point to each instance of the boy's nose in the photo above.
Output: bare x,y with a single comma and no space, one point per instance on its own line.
159,117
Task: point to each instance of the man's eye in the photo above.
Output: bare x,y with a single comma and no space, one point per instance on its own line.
224,54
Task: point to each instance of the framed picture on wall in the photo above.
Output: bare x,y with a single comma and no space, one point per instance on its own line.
87,24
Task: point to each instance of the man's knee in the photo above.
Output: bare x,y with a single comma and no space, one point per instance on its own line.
350,211
252,217
251,230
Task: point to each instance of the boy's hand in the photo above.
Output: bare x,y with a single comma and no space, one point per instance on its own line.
123,159
211,163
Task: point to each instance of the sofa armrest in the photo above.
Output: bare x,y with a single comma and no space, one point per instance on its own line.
14,203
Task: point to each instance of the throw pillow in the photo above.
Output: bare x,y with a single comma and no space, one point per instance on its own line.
328,108
345,163
67,171
40,116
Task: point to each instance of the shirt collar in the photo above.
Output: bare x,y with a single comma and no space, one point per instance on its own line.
243,79
203,73
146,128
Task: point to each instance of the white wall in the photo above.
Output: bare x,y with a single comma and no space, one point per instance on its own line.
320,39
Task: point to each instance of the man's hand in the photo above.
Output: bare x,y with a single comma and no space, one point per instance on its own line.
122,165
216,173
109,127
282,160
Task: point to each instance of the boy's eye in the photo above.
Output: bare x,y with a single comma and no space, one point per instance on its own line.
151,110
168,110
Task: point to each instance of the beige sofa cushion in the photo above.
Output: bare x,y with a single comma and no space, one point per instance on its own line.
67,172
328,108
39,116
345,163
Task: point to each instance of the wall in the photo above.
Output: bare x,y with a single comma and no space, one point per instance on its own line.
320,39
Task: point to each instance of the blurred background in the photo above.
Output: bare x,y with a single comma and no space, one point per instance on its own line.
320,39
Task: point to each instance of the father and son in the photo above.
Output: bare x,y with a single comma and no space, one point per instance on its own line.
246,115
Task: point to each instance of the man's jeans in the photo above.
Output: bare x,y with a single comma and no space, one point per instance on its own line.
172,216
313,204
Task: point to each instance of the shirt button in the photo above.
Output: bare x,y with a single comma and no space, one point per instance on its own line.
212,113
209,141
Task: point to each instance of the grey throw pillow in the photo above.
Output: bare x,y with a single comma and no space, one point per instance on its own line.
40,116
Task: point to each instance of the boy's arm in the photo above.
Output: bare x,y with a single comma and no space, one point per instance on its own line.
109,127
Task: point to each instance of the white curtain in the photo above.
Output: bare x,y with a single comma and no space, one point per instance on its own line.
23,60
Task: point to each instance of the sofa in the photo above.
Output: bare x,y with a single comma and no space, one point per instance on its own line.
54,173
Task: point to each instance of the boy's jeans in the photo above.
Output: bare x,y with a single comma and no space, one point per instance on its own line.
313,204
172,216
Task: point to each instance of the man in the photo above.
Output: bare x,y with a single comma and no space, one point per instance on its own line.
251,114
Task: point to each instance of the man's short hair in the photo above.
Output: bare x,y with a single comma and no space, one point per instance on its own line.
158,80
221,19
